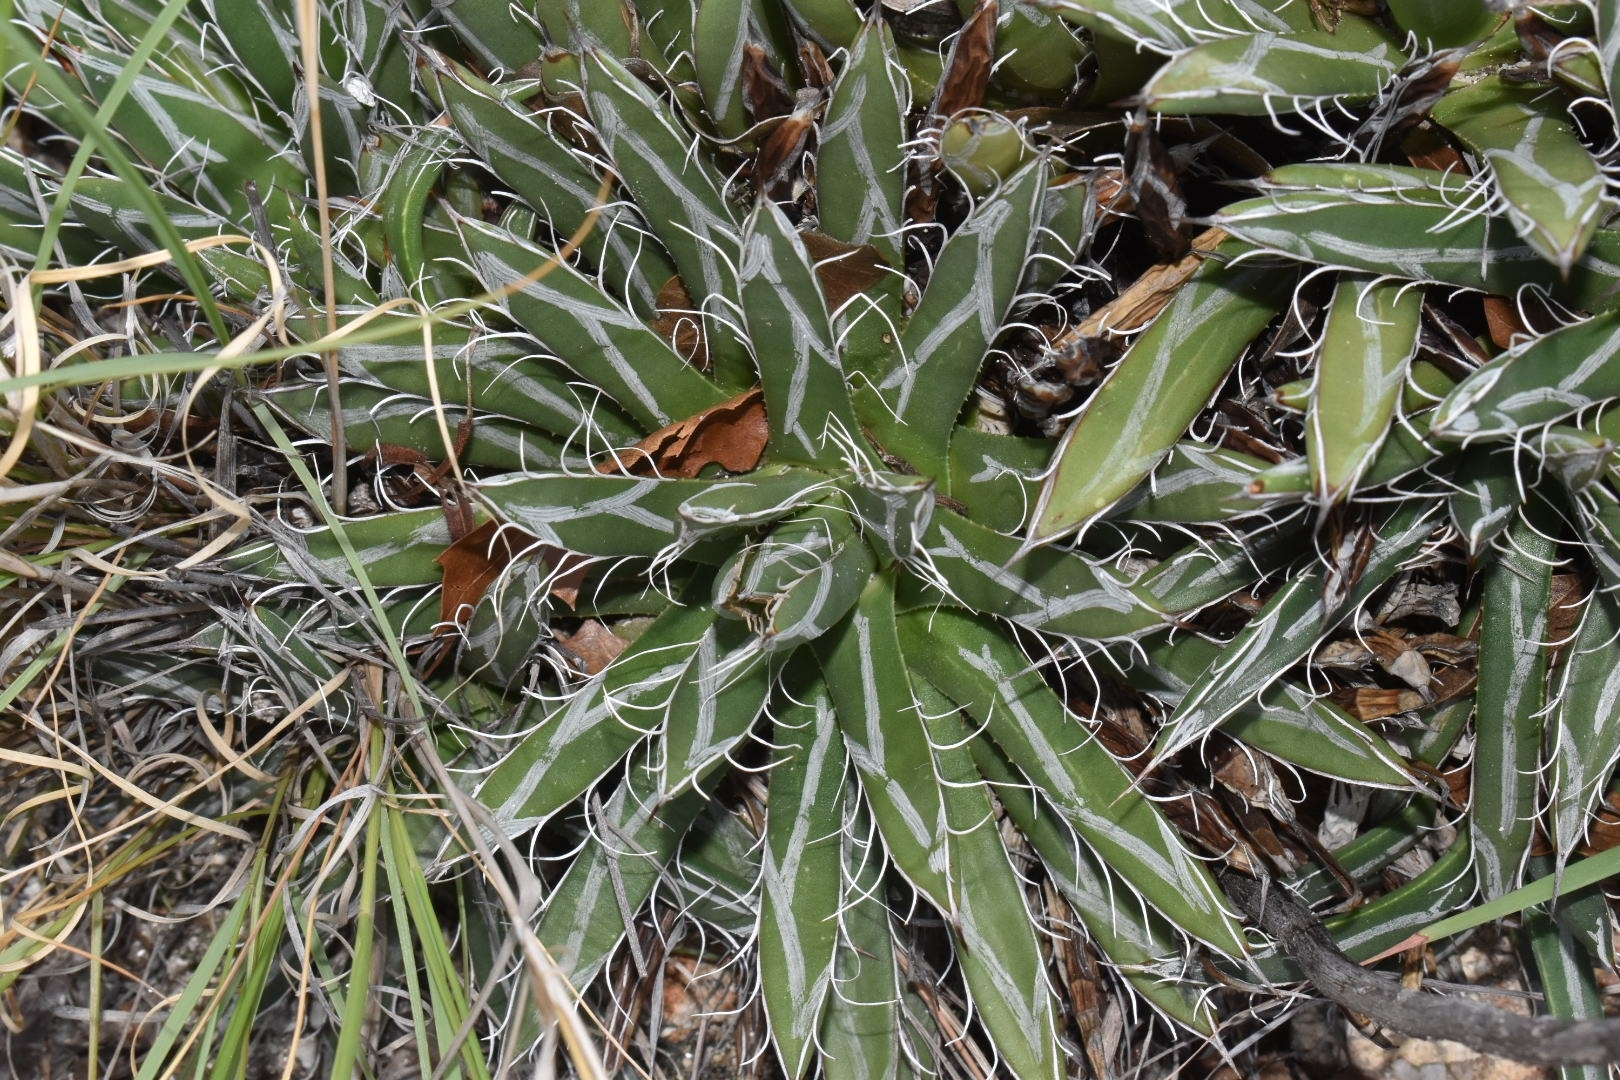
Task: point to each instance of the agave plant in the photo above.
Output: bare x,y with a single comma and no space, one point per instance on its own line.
777,617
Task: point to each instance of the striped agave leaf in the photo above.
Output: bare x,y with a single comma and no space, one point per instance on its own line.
1268,72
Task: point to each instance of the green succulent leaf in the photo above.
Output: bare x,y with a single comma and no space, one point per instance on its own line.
722,29
396,549
678,195
1489,493
1445,26
577,742
994,476
973,283
1134,937
713,706
796,584
1210,570
806,400
745,503
1370,339
861,1030
1567,976
878,714
1045,589
1544,379
595,515
1169,26
971,662
1294,620
802,871
1583,730
1554,190
552,179
1512,699
1149,399
378,416
989,916
594,906
1285,721
599,24
834,24
590,333
860,171
1194,483
1267,73
1429,226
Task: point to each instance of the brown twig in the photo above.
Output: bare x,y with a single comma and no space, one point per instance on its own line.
1534,1040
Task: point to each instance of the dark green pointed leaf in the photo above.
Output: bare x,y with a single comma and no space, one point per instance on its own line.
1554,190
639,828
860,163
989,916
1149,399
806,401
590,333
1044,589
972,285
877,712
1544,379
1293,622
1367,345
578,741
970,660
1512,700
801,874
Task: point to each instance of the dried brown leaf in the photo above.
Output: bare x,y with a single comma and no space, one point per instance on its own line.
594,645
731,435
844,270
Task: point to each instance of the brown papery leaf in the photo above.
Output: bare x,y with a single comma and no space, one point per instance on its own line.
680,325
765,92
967,70
844,270
731,435
594,644
473,562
